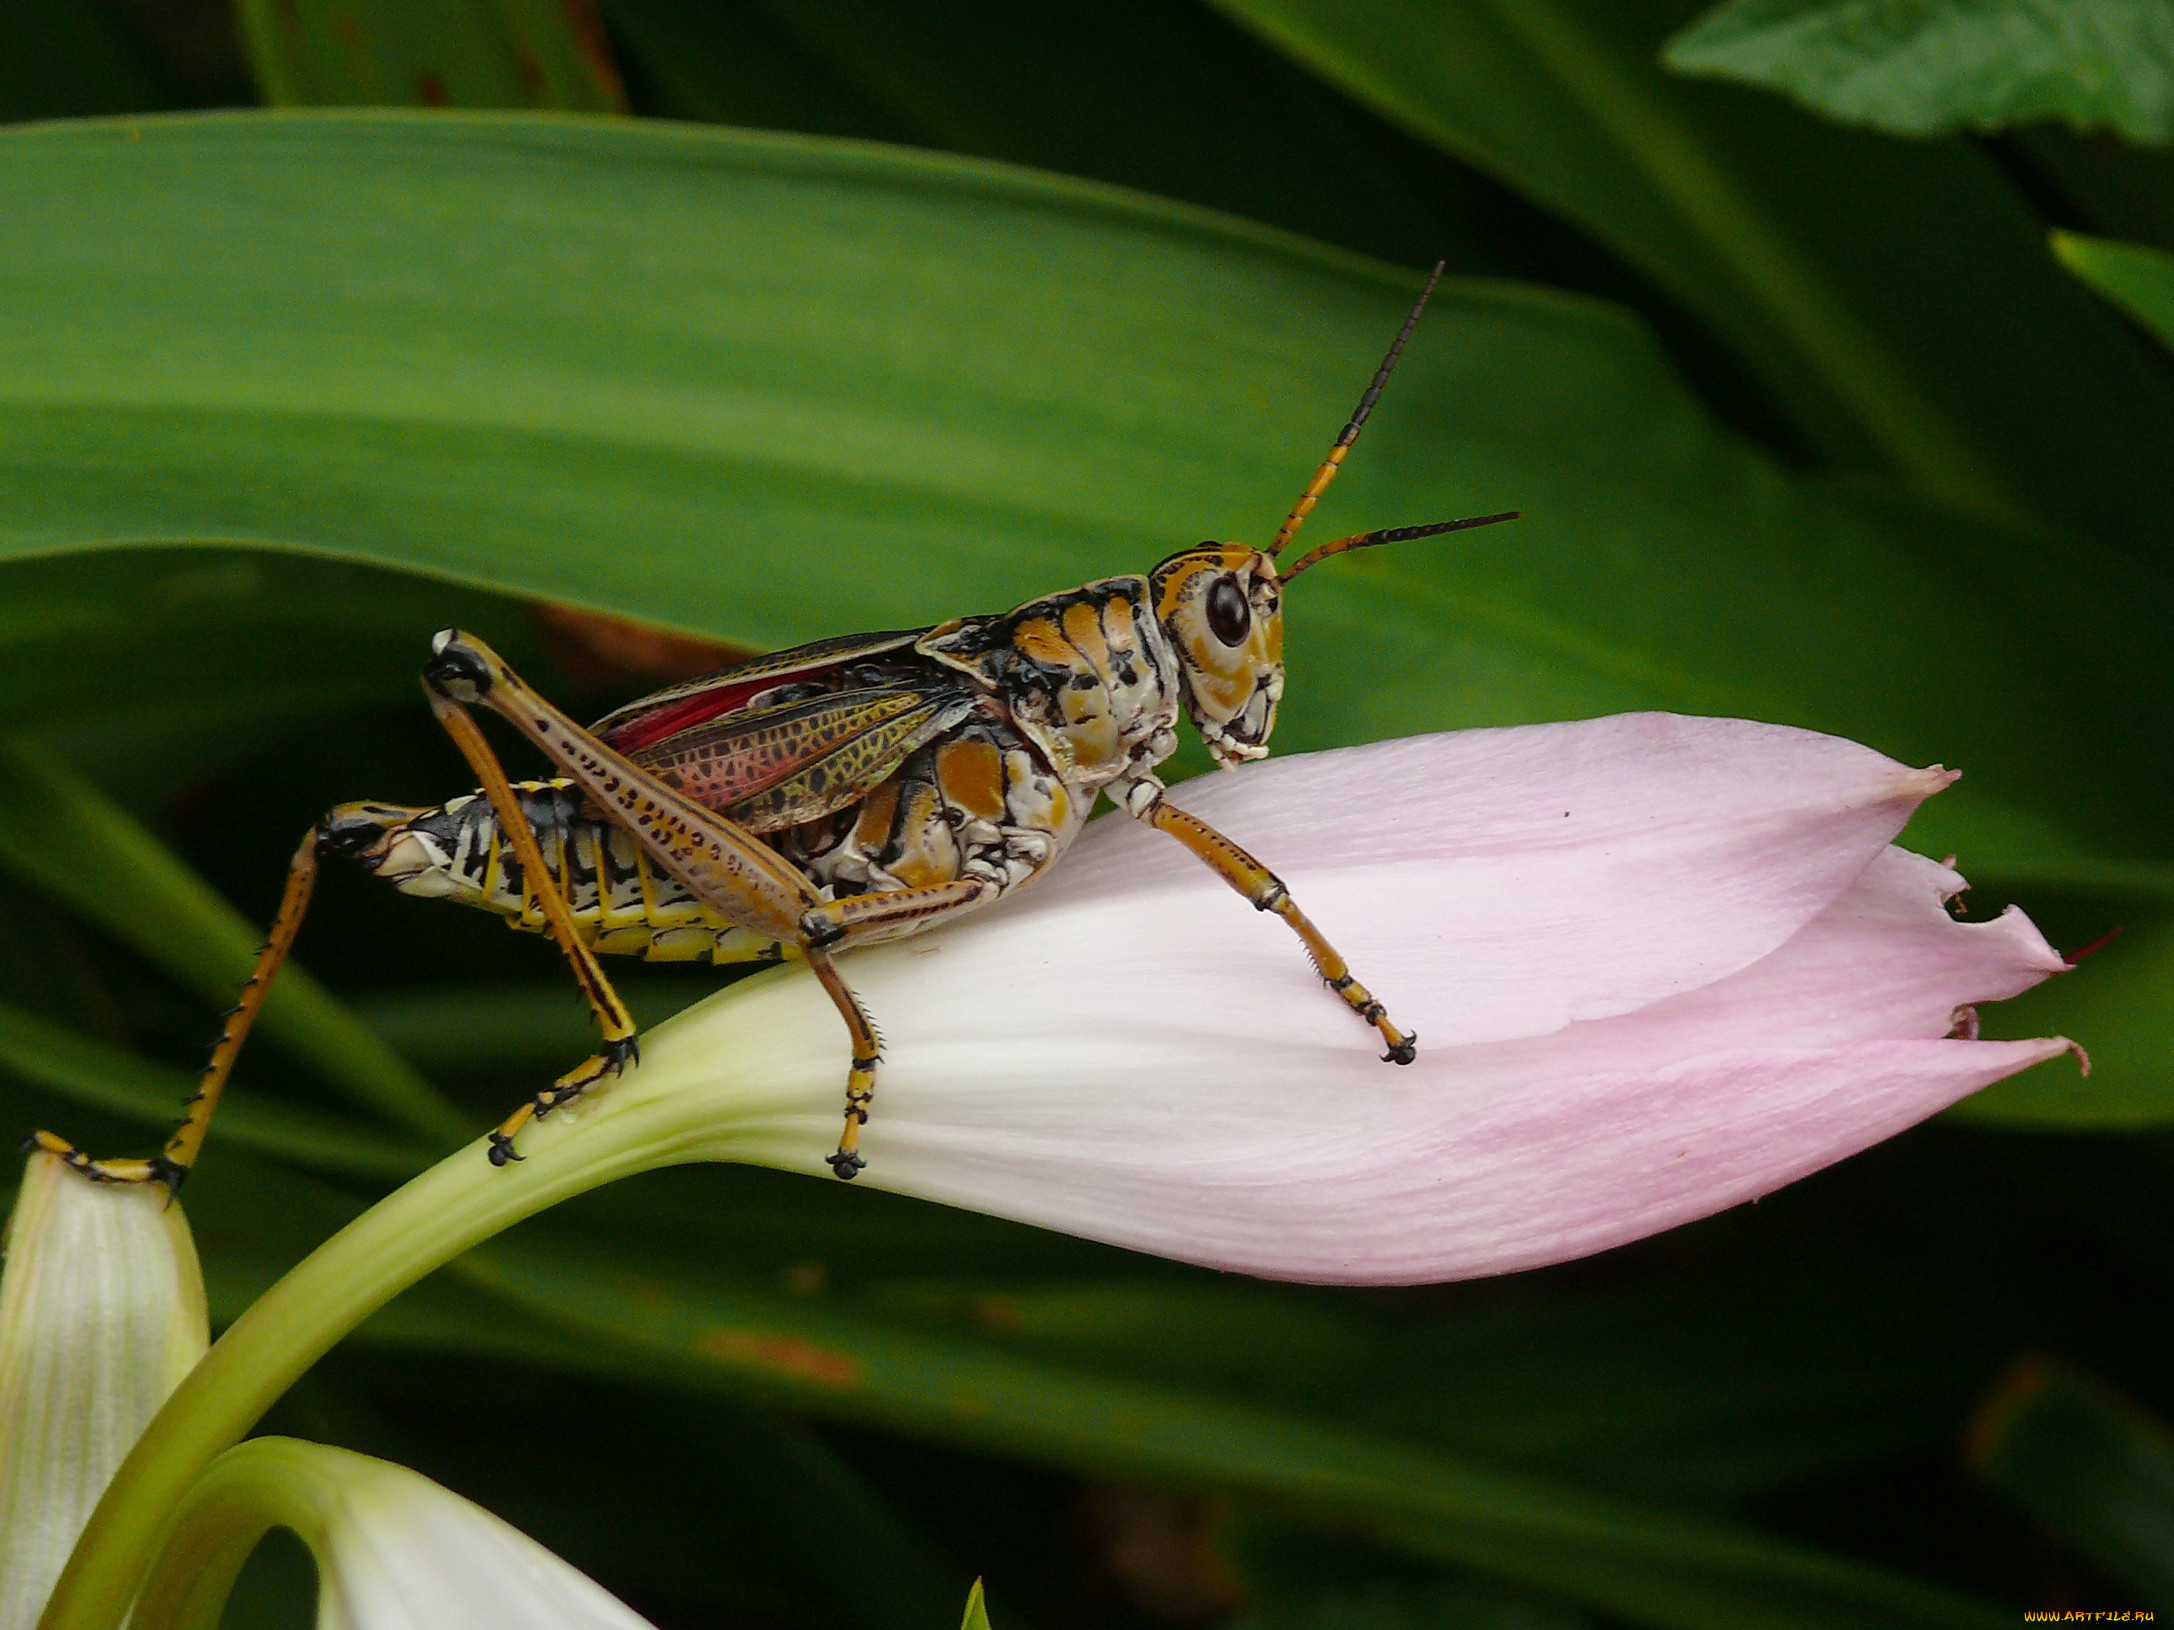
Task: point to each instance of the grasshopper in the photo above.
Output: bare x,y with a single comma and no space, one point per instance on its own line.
849,791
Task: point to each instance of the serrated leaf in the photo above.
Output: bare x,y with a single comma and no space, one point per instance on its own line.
1926,67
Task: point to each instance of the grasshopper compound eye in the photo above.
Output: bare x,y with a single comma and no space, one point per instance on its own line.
1229,617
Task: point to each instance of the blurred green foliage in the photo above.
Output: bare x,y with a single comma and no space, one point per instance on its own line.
1926,67
1808,423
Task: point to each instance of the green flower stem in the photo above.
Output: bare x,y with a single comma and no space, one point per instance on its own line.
455,1205
249,1489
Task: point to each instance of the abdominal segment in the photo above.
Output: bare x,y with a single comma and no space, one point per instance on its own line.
978,803
622,901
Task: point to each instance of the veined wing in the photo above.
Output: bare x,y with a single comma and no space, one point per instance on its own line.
778,766
681,707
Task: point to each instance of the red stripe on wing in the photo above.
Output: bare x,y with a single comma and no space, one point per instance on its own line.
646,729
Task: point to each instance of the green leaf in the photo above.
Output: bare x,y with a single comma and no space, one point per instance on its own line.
60,833
181,636
1724,1386
977,1612
2137,279
511,1029
2091,1465
1926,67
543,356
431,53
1827,257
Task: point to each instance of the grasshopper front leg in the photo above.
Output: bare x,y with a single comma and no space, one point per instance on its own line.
721,862
1143,800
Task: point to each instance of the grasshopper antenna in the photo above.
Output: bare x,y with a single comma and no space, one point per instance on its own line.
1327,473
1394,534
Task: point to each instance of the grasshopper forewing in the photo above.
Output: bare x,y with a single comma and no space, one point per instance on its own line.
848,791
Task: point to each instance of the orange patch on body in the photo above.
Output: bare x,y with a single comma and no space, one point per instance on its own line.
787,1355
1039,639
1083,627
873,829
928,853
972,776
1118,625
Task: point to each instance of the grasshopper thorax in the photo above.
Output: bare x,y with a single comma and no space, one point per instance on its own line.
1221,606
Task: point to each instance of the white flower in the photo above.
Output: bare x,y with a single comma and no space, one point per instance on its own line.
1656,965
101,1315
394,1551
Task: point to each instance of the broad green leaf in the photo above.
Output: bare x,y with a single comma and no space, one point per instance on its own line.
1926,67
431,53
514,1028
2094,1467
181,636
546,356
2139,280
60,833
1831,259
1725,1385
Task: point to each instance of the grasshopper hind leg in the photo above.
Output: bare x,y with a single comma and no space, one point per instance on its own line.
349,830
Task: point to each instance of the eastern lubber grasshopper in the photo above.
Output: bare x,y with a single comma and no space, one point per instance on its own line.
853,790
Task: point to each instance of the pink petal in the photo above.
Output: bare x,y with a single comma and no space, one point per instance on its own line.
1133,1056
1885,960
1463,874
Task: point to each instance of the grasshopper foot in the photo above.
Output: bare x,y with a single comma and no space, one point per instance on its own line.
1403,1052
846,1164
502,1151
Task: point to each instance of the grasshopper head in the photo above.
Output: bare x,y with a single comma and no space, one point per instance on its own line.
1222,608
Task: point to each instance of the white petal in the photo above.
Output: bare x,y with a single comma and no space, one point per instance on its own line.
394,1551
401,1553
101,1315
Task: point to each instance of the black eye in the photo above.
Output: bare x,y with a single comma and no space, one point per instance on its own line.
1229,613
